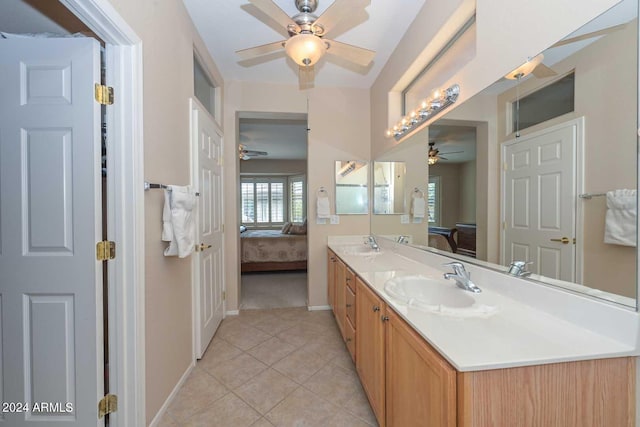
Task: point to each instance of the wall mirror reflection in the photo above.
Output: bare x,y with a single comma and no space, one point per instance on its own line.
547,196
351,189
388,188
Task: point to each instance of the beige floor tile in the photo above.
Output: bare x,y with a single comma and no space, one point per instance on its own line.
233,373
247,338
360,407
302,408
199,391
271,351
262,422
299,335
253,317
300,365
325,347
219,351
266,390
226,412
232,327
345,419
344,361
167,421
273,325
334,384
295,313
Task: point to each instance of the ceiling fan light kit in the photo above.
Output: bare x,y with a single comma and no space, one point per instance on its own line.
306,44
439,100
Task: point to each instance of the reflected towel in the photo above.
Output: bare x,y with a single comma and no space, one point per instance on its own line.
323,208
418,207
620,219
181,227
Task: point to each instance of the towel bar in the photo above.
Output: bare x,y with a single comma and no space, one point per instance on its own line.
150,185
589,196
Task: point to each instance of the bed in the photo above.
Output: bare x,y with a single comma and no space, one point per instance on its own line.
270,250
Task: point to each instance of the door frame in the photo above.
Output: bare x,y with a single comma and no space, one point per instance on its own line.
578,160
125,207
195,260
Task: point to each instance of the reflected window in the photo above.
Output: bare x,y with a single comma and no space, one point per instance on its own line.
551,101
433,200
204,89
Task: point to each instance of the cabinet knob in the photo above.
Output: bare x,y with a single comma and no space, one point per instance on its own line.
333,259
376,308
348,279
348,339
348,305
384,318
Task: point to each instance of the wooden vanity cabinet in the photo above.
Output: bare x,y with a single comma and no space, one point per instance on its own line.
332,261
339,310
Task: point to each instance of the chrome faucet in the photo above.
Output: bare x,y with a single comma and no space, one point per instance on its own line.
518,268
372,242
403,239
462,277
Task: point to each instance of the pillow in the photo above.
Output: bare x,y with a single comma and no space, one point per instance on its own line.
298,229
243,228
285,228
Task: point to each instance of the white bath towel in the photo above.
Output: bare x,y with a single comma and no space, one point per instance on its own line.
418,207
620,219
180,229
323,207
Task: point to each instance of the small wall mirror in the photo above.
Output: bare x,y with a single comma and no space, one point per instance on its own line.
389,188
352,192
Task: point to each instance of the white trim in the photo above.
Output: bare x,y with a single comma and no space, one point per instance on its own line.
578,232
318,307
232,313
125,201
156,420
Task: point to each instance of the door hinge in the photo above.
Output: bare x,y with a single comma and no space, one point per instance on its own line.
224,295
505,167
104,94
105,250
504,225
223,228
107,405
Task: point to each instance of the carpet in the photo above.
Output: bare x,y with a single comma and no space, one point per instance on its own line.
273,290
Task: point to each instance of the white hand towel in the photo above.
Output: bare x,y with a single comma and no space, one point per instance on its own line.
167,228
182,203
620,219
418,207
323,207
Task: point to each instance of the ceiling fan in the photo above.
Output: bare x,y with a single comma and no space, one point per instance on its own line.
435,155
245,154
533,66
307,44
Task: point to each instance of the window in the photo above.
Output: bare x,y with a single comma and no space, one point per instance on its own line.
203,88
433,200
544,104
297,199
263,201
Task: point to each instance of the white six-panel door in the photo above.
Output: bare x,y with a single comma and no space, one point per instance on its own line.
539,201
209,260
50,221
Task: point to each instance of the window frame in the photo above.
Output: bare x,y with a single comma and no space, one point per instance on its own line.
269,180
291,180
437,204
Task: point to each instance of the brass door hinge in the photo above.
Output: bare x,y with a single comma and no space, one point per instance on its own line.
104,94
107,405
105,250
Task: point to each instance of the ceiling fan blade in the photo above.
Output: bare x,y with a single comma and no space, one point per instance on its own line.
306,77
338,10
357,55
273,11
453,152
589,35
256,51
254,153
542,71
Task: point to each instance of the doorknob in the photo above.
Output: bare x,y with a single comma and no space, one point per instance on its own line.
564,240
201,247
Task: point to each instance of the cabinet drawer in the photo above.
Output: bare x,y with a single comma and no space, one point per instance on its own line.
351,306
350,339
350,279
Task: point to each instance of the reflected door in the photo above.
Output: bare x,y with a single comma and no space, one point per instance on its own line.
539,201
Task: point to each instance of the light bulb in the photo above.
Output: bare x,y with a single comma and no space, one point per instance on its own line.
305,49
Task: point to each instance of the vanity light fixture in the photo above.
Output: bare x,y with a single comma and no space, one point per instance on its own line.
439,100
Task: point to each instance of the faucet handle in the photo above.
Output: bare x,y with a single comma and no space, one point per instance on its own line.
458,268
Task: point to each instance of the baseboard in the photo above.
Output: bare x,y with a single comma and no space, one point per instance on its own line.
163,409
232,312
318,307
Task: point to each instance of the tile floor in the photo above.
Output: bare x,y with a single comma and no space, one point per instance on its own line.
274,290
277,367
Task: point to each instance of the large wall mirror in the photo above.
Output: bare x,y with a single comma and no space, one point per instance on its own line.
351,189
526,169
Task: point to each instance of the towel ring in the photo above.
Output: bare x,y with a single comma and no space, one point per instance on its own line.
322,192
417,194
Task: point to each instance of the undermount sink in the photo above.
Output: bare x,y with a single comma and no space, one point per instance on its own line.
436,296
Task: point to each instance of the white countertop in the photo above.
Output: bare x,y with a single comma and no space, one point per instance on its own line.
521,332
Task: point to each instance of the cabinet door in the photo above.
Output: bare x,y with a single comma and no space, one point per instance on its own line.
340,309
420,384
370,347
331,278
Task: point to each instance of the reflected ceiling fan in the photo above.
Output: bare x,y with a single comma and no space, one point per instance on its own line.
533,66
245,154
435,155
307,44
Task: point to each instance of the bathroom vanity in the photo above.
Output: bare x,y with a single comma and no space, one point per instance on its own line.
496,358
